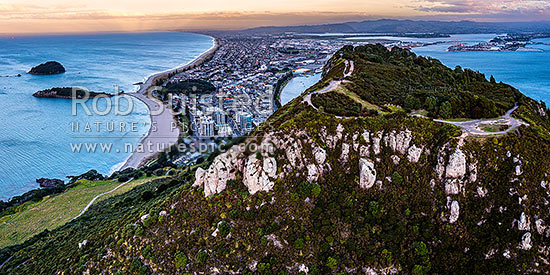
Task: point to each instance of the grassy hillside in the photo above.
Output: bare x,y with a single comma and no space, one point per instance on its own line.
32,218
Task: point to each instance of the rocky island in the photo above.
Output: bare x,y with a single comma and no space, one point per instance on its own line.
67,92
48,68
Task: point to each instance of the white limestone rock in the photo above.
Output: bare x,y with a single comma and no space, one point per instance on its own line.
199,177
481,191
345,153
526,241
366,136
367,173
312,173
222,169
414,154
364,151
455,212
403,141
376,143
395,159
258,175
320,154
457,165
452,187
524,224
541,228
473,172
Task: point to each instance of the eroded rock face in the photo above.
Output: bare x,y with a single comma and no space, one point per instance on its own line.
215,178
455,212
367,173
376,143
524,223
457,165
526,241
258,174
320,155
345,153
414,154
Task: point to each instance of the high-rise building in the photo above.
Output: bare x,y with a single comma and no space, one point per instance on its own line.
206,127
219,116
244,119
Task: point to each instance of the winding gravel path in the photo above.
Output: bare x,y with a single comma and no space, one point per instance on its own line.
97,197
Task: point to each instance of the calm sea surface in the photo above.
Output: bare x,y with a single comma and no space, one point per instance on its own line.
36,134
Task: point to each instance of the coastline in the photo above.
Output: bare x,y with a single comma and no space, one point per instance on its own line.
166,130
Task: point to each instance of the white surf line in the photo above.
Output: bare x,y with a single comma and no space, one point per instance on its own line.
98,196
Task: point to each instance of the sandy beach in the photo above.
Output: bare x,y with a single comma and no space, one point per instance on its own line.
164,130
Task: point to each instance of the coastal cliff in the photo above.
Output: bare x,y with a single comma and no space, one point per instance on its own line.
48,68
320,189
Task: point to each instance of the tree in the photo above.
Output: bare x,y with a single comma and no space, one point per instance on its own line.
493,79
446,110
431,104
411,102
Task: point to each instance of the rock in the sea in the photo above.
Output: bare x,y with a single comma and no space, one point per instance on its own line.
44,182
50,67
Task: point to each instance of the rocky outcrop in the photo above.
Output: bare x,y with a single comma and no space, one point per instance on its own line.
457,165
524,223
526,241
44,182
367,173
259,175
455,212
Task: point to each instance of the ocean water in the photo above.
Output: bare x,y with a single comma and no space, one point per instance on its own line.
38,136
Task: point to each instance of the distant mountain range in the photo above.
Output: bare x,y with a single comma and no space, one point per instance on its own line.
411,26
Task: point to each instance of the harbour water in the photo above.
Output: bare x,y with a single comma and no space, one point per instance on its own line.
39,136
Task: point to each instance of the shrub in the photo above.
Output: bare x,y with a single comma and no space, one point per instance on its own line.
224,229
332,263
180,259
299,243
420,248
201,256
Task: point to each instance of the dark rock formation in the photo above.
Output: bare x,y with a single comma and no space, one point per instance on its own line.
67,92
44,182
50,67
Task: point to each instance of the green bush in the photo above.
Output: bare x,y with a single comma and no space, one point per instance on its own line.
299,243
180,259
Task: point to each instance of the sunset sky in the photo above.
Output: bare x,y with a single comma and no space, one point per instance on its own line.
59,16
